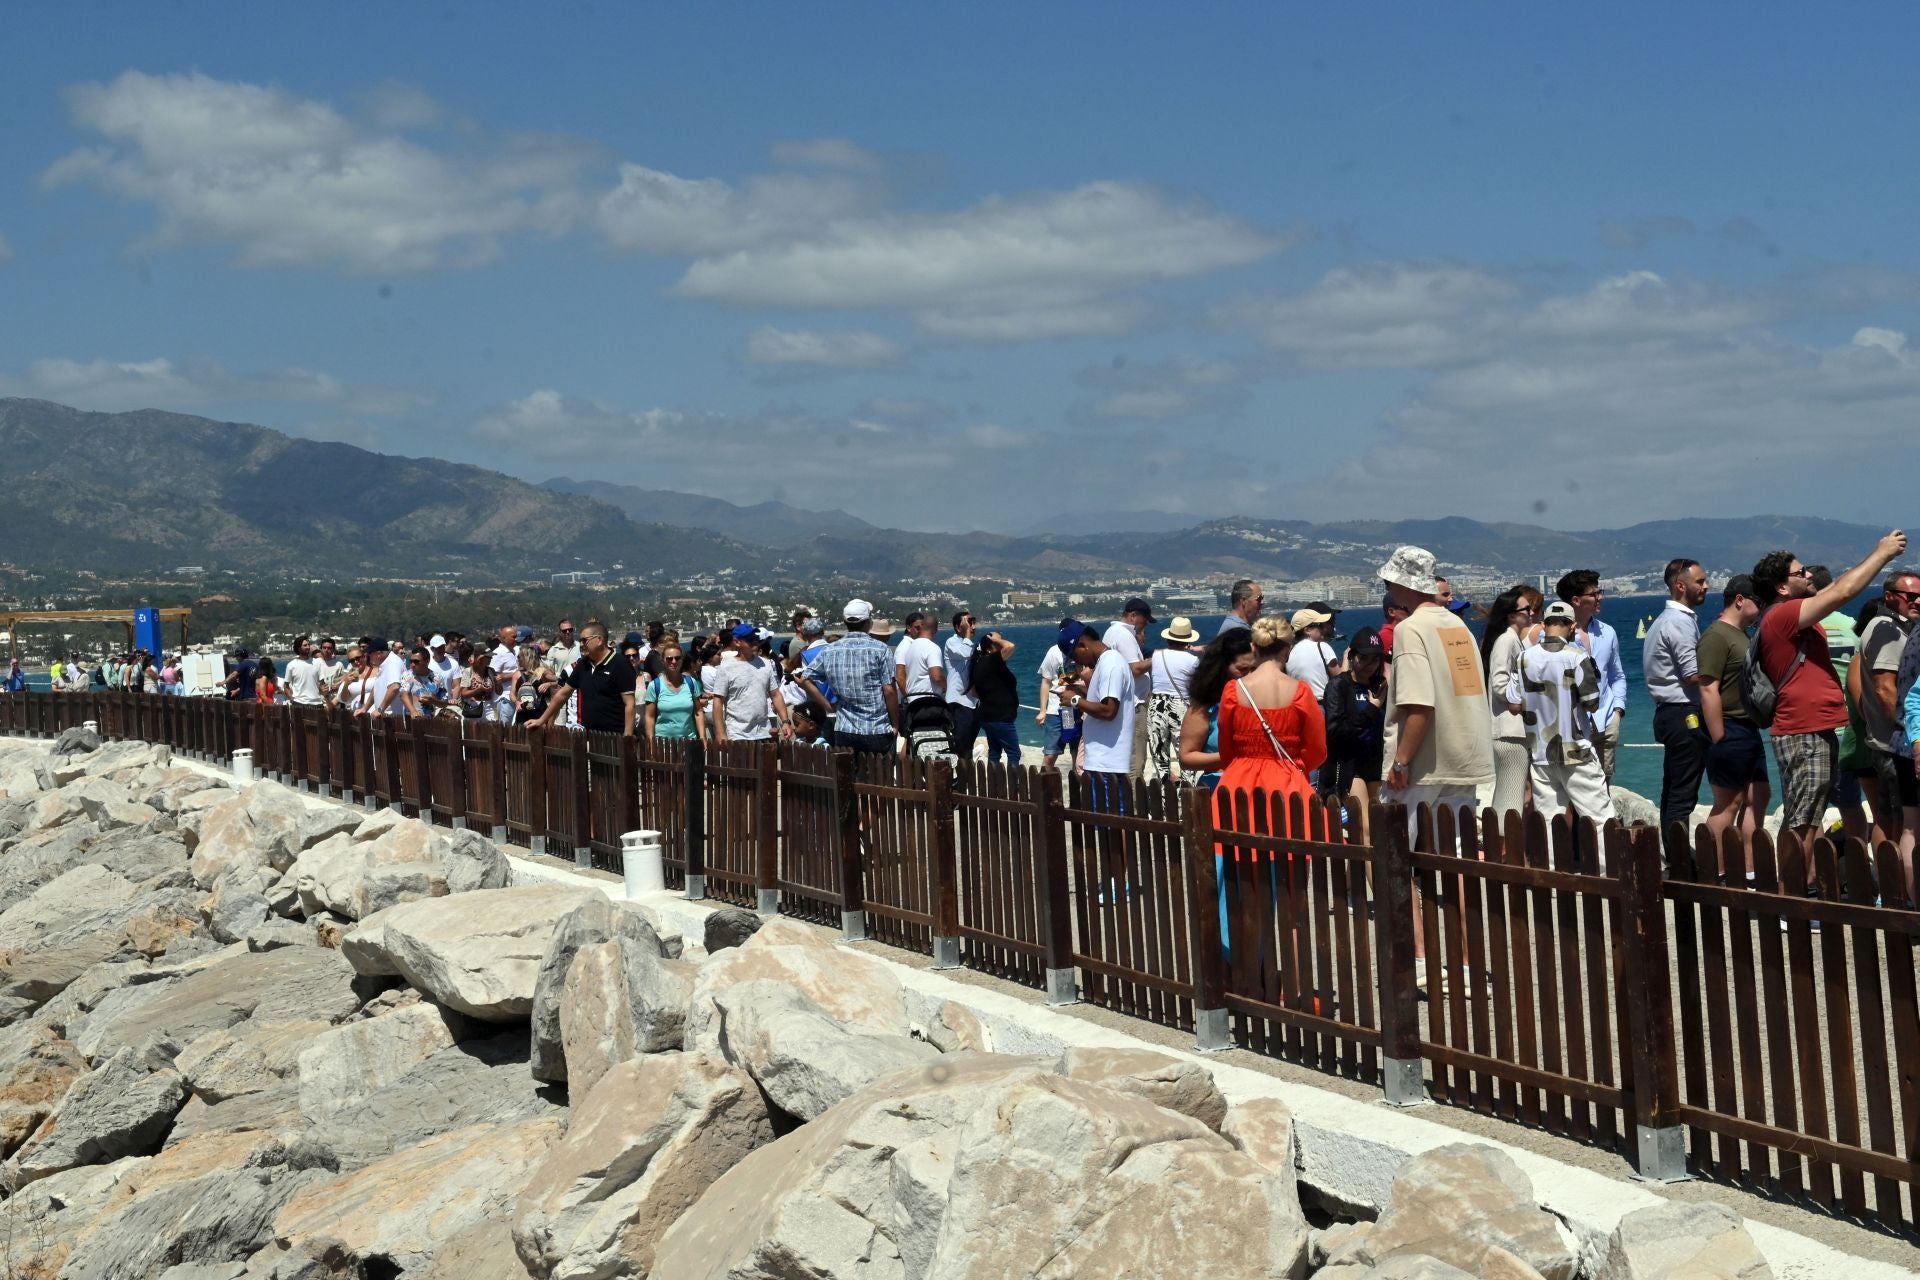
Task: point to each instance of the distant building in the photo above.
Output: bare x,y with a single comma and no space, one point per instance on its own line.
189,571
577,577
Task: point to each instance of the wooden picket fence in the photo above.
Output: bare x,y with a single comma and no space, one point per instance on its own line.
1764,1032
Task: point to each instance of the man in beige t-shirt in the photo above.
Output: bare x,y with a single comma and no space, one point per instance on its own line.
1438,747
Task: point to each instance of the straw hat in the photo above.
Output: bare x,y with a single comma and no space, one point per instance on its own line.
1180,631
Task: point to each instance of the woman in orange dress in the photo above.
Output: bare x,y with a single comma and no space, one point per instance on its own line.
1272,737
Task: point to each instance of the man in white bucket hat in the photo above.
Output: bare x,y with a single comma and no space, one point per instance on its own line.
1439,732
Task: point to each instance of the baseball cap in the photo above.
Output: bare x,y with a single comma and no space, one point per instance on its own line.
1740,584
1366,644
1309,616
522,634
1070,632
1135,604
1558,611
745,631
437,642
857,611
1458,605
812,627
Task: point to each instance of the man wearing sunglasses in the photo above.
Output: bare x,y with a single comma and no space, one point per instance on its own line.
1792,649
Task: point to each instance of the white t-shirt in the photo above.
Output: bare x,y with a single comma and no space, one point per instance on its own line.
921,657
1120,639
746,684
303,683
1050,666
958,659
393,669
1172,670
328,672
445,668
1109,743
1308,663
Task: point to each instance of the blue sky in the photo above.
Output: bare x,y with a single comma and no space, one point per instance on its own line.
970,266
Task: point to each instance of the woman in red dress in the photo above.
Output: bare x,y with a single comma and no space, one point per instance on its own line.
1272,737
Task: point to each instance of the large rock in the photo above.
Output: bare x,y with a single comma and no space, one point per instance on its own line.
1177,1085
36,1071
1702,1241
729,927
474,1082
118,1109
986,1165
52,1213
482,1251
76,741
1263,1129
200,1212
246,1058
255,828
383,862
1459,1202
342,1065
274,1112
621,998
804,1060
595,920
641,1147
1634,809
1099,1182
478,952
400,1208
854,990
85,917
159,1018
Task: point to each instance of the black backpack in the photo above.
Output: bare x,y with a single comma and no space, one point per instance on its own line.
1758,693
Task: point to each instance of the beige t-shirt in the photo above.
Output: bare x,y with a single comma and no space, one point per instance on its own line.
1436,663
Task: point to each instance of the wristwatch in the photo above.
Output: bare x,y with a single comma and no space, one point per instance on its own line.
1075,702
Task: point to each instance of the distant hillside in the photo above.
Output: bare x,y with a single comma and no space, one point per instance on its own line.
150,489
1120,521
766,523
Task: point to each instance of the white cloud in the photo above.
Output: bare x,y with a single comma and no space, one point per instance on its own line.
987,321
832,349
1386,315
293,181
1142,404
991,435
825,153
160,383
1019,250
652,211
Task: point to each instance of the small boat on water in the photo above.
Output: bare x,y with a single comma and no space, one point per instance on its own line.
1641,634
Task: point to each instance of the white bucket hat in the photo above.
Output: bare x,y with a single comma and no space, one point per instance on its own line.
1412,568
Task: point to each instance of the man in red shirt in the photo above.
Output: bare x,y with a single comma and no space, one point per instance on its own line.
1810,705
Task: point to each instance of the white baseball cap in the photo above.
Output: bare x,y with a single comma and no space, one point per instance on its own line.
437,642
857,611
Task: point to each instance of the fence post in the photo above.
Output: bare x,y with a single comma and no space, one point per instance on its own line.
696,846
1056,908
1403,1077
942,825
1660,1145
766,852
582,802
1212,1027
537,788
853,894
627,778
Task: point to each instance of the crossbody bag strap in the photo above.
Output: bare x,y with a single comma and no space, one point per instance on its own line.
1278,750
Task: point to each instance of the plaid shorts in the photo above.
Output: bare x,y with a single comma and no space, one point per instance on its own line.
1807,762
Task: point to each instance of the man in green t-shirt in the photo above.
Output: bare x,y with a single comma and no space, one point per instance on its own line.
1737,758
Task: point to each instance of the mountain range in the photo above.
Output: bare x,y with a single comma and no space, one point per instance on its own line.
149,489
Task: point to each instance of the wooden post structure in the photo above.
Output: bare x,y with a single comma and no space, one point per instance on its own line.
457,773
627,778
766,829
696,846
537,788
1212,1027
945,869
1056,907
581,802
1402,1074
853,893
1660,1144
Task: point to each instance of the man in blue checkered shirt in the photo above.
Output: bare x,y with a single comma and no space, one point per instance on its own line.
859,670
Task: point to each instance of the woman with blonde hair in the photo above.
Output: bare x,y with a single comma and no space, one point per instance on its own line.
1272,735
1507,623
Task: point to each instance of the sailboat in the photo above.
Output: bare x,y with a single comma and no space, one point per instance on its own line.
1641,634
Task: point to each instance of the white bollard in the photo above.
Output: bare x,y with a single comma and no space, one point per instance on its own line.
640,855
243,766
91,726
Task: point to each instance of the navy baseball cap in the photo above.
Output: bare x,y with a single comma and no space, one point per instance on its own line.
1070,632
746,631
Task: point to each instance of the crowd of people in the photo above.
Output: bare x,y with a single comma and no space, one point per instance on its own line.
1526,714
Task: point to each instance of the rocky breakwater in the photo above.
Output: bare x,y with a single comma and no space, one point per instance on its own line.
252,1038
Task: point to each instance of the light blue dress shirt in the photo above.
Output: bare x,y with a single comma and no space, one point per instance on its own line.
1604,644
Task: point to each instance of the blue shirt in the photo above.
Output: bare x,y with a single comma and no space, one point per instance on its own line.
859,668
1603,643
1668,657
